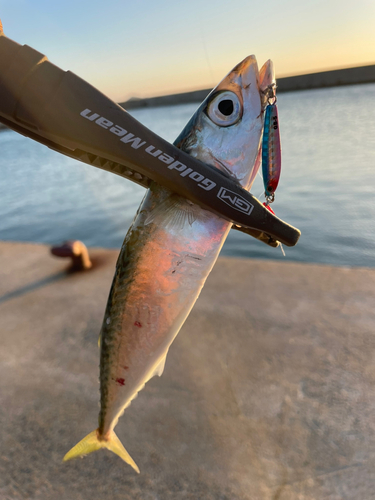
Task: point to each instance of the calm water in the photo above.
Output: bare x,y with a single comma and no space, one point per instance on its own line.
326,187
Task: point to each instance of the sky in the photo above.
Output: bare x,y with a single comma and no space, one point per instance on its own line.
145,48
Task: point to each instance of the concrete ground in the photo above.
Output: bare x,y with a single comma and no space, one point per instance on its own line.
268,391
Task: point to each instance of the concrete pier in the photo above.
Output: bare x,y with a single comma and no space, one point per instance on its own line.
268,391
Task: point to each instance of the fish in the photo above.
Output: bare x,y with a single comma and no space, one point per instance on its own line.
170,249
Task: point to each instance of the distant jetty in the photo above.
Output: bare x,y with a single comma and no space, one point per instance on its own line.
334,78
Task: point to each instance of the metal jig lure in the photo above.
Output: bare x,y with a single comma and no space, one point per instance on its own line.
271,147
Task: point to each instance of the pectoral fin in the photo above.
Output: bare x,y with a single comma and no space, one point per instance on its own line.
174,213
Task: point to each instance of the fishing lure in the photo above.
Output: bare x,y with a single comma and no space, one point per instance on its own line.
271,148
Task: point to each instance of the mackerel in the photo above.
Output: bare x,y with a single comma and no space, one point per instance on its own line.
170,250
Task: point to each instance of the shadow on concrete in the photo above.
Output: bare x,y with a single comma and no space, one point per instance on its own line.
23,290
97,262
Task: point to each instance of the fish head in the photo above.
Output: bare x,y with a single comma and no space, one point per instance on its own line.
226,129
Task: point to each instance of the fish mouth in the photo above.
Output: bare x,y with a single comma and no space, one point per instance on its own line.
248,82
241,76
246,68
266,75
266,81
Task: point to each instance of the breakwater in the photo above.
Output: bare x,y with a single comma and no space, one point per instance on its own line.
333,78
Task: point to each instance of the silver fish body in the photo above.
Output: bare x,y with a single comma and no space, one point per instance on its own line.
161,269
170,250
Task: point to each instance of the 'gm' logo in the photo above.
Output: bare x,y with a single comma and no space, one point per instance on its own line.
234,200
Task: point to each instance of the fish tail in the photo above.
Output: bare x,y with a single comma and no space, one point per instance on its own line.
92,443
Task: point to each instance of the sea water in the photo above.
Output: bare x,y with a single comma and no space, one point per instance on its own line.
326,187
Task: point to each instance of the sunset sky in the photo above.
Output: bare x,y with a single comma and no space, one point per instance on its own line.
146,48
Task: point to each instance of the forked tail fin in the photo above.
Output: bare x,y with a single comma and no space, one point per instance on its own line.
92,443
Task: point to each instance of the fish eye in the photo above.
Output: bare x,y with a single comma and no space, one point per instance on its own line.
225,109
